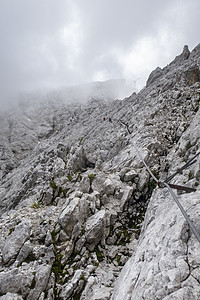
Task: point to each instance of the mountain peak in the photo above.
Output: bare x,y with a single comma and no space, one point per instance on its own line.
81,216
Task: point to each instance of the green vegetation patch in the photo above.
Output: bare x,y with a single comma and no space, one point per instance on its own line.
91,177
11,230
70,177
36,205
99,254
53,185
58,268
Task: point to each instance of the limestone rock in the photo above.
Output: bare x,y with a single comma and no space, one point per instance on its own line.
16,281
15,241
183,56
10,296
94,229
158,275
109,188
72,208
74,215
130,175
40,281
70,216
72,286
154,75
78,160
126,196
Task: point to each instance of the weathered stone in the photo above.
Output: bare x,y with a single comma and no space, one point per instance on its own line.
109,188
159,272
41,279
16,281
127,194
129,176
85,185
63,236
48,239
98,183
78,160
10,296
69,288
94,229
24,252
15,241
158,72
143,180
47,198
73,216
70,216
61,141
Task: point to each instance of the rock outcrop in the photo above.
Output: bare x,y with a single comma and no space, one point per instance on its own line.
80,216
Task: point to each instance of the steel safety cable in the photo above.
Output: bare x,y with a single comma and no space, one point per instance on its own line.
145,164
138,153
189,163
162,184
192,227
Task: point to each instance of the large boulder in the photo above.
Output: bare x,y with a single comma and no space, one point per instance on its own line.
70,216
158,72
40,281
77,160
95,229
16,281
127,194
74,215
11,296
15,241
165,263
130,175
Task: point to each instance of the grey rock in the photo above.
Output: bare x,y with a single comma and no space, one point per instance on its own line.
41,280
158,72
48,239
127,194
85,185
73,216
15,241
155,269
109,188
63,236
45,140
78,160
24,252
70,216
16,281
94,229
70,288
129,176
10,296
183,56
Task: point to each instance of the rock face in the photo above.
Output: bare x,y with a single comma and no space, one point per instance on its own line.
80,216
163,270
154,75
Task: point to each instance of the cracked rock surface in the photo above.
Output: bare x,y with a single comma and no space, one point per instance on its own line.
80,216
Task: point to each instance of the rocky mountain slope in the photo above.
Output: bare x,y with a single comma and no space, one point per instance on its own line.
81,218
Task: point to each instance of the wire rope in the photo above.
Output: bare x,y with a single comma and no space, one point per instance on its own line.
162,184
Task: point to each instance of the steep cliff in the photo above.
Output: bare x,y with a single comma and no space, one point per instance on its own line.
81,218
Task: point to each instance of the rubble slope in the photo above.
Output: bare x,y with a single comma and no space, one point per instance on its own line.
81,218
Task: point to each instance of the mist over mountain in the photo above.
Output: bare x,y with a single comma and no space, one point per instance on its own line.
102,90
80,215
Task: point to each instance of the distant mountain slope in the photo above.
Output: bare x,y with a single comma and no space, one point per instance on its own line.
78,208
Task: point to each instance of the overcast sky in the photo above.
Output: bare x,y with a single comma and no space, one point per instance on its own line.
51,43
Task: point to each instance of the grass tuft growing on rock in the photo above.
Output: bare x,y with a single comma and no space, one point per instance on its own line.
36,205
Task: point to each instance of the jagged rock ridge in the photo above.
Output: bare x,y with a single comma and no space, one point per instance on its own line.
74,194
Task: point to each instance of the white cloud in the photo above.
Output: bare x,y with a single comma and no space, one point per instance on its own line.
51,43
